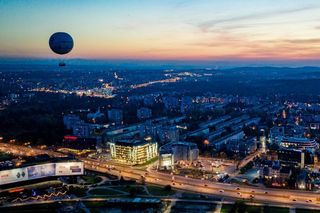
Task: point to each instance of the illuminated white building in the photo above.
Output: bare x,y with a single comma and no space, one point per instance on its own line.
166,161
180,151
134,151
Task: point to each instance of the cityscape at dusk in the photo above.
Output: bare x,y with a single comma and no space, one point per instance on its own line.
160,106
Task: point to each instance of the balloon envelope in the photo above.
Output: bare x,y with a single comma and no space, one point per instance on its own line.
61,43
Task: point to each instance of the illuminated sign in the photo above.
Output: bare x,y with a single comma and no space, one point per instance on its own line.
43,170
69,168
13,175
40,171
70,137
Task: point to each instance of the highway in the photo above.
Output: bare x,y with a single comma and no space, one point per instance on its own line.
294,198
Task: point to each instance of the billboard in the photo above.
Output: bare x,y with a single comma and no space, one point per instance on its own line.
69,168
40,171
13,175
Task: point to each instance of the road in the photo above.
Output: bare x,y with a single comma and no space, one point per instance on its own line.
249,158
293,198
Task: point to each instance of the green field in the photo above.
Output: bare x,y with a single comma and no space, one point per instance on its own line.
78,191
91,179
94,204
254,209
104,191
269,209
226,208
307,211
160,191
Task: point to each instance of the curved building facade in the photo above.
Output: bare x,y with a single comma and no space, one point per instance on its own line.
298,143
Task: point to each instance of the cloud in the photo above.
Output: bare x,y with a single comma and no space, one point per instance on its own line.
303,41
266,23
307,41
207,25
245,47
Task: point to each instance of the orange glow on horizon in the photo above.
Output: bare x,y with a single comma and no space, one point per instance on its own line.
164,30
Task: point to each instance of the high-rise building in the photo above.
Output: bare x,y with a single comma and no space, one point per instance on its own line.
299,143
276,134
70,120
170,103
132,151
93,116
181,150
82,129
168,134
115,116
186,104
144,113
263,141
150,128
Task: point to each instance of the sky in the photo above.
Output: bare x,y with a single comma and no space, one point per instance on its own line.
164,29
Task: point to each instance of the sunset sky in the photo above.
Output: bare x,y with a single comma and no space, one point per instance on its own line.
164,29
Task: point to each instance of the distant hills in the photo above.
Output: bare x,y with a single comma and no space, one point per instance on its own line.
167,64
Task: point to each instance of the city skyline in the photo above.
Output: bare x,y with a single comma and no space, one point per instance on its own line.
160,106
166,30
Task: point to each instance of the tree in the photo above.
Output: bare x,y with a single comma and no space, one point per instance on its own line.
274,147
239,207
143,180
167,188
132,191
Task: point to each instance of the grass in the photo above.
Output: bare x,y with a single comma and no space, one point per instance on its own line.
91,179
185,206
111,191
189,195
254,209
226,208
94,204
122,188
104,191
106,196
160,191
268,209
307,211
139,189
78,191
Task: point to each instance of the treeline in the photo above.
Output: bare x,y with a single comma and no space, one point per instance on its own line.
40,120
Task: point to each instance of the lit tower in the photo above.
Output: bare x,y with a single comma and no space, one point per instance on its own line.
284,114
263,141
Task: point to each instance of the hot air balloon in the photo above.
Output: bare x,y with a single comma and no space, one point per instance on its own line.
61,43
